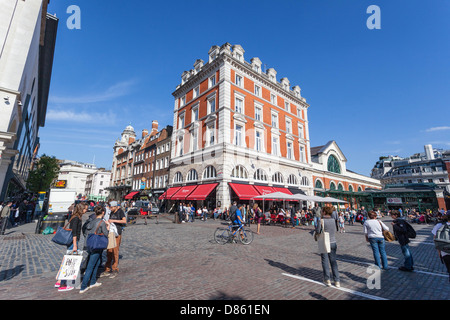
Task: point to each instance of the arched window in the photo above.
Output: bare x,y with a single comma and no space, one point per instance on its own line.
319,184
277,177
292,179
192,175
178,177
333,165
305,181
332,186
209,173
350,188
359,189
260,175
239,172
340,187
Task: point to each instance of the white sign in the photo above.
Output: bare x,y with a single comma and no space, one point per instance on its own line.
70,267
394,200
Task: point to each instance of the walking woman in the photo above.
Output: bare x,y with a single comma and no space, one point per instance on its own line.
258,217
373,229
99,226
329,259
75,224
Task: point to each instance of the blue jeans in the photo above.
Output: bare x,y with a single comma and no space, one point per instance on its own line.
409,263
379,252
90,275
328,259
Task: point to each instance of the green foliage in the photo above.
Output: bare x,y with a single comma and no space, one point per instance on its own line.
44,174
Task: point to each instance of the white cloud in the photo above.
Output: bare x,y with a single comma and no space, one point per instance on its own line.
115,91
81,116
437,129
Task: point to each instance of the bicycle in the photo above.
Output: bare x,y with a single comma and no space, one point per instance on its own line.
225,235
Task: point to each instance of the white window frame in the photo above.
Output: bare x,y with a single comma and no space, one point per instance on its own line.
288,125
274,114
261,140
192,175
239,80
238,135
196,92
212,81
209,103
257,90
289,150
275,145
273,98
242,99
195,113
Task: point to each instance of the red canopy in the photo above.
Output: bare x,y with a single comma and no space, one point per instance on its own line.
131,195
282,190
264,190
183,193
244,191
169,193
202,191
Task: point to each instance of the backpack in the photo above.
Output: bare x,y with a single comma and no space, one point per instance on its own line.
410,232
442,239
233,213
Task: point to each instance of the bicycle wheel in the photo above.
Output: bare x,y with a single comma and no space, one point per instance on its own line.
222,235
246,237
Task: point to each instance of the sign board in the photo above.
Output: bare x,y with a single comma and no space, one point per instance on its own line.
70,267
61,184
394,200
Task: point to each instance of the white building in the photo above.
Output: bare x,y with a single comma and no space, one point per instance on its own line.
27,44
75,175
97,184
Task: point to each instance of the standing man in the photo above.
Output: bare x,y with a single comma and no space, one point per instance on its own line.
400,227
4,216
23,211
317,214
117,216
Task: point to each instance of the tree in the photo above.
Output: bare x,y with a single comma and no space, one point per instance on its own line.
44,174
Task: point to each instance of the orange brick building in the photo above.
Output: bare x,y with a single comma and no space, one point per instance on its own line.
239,132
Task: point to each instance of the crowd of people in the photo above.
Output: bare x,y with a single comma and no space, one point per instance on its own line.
15,213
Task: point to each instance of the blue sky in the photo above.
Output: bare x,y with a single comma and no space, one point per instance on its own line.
375,92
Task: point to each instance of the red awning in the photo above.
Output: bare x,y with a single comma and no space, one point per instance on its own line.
202,191
169,193
277,189
131,195
183,193
244,191
264,190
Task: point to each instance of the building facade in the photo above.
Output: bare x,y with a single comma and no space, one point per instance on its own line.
75,174
27,45
239,133
97,185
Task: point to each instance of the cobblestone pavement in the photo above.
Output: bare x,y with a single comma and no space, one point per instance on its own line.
168,261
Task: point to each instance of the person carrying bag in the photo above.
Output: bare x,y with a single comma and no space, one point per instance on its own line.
325,236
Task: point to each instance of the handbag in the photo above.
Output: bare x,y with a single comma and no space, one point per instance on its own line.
63,236
387,235
97,241
323,240
111,240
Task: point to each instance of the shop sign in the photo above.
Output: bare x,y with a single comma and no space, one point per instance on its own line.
394,200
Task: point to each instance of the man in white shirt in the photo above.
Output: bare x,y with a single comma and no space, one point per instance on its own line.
445,257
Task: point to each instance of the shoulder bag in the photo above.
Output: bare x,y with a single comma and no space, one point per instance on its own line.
323,239
63,236
387,235
97,241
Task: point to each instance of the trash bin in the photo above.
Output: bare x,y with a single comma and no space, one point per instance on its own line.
53,221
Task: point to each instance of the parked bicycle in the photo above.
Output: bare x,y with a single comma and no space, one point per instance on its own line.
229,234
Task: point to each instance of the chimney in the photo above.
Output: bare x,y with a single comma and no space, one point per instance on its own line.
144,132
429,152
154,126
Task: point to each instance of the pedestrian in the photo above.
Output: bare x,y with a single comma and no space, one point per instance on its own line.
329,259
4,216
444,256
292,213
75,224
98,226
117,216
258,217
23,211
400,227
341,223
373,229
317,213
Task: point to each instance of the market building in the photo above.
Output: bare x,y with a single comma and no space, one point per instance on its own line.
421,181
240,133
27,46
